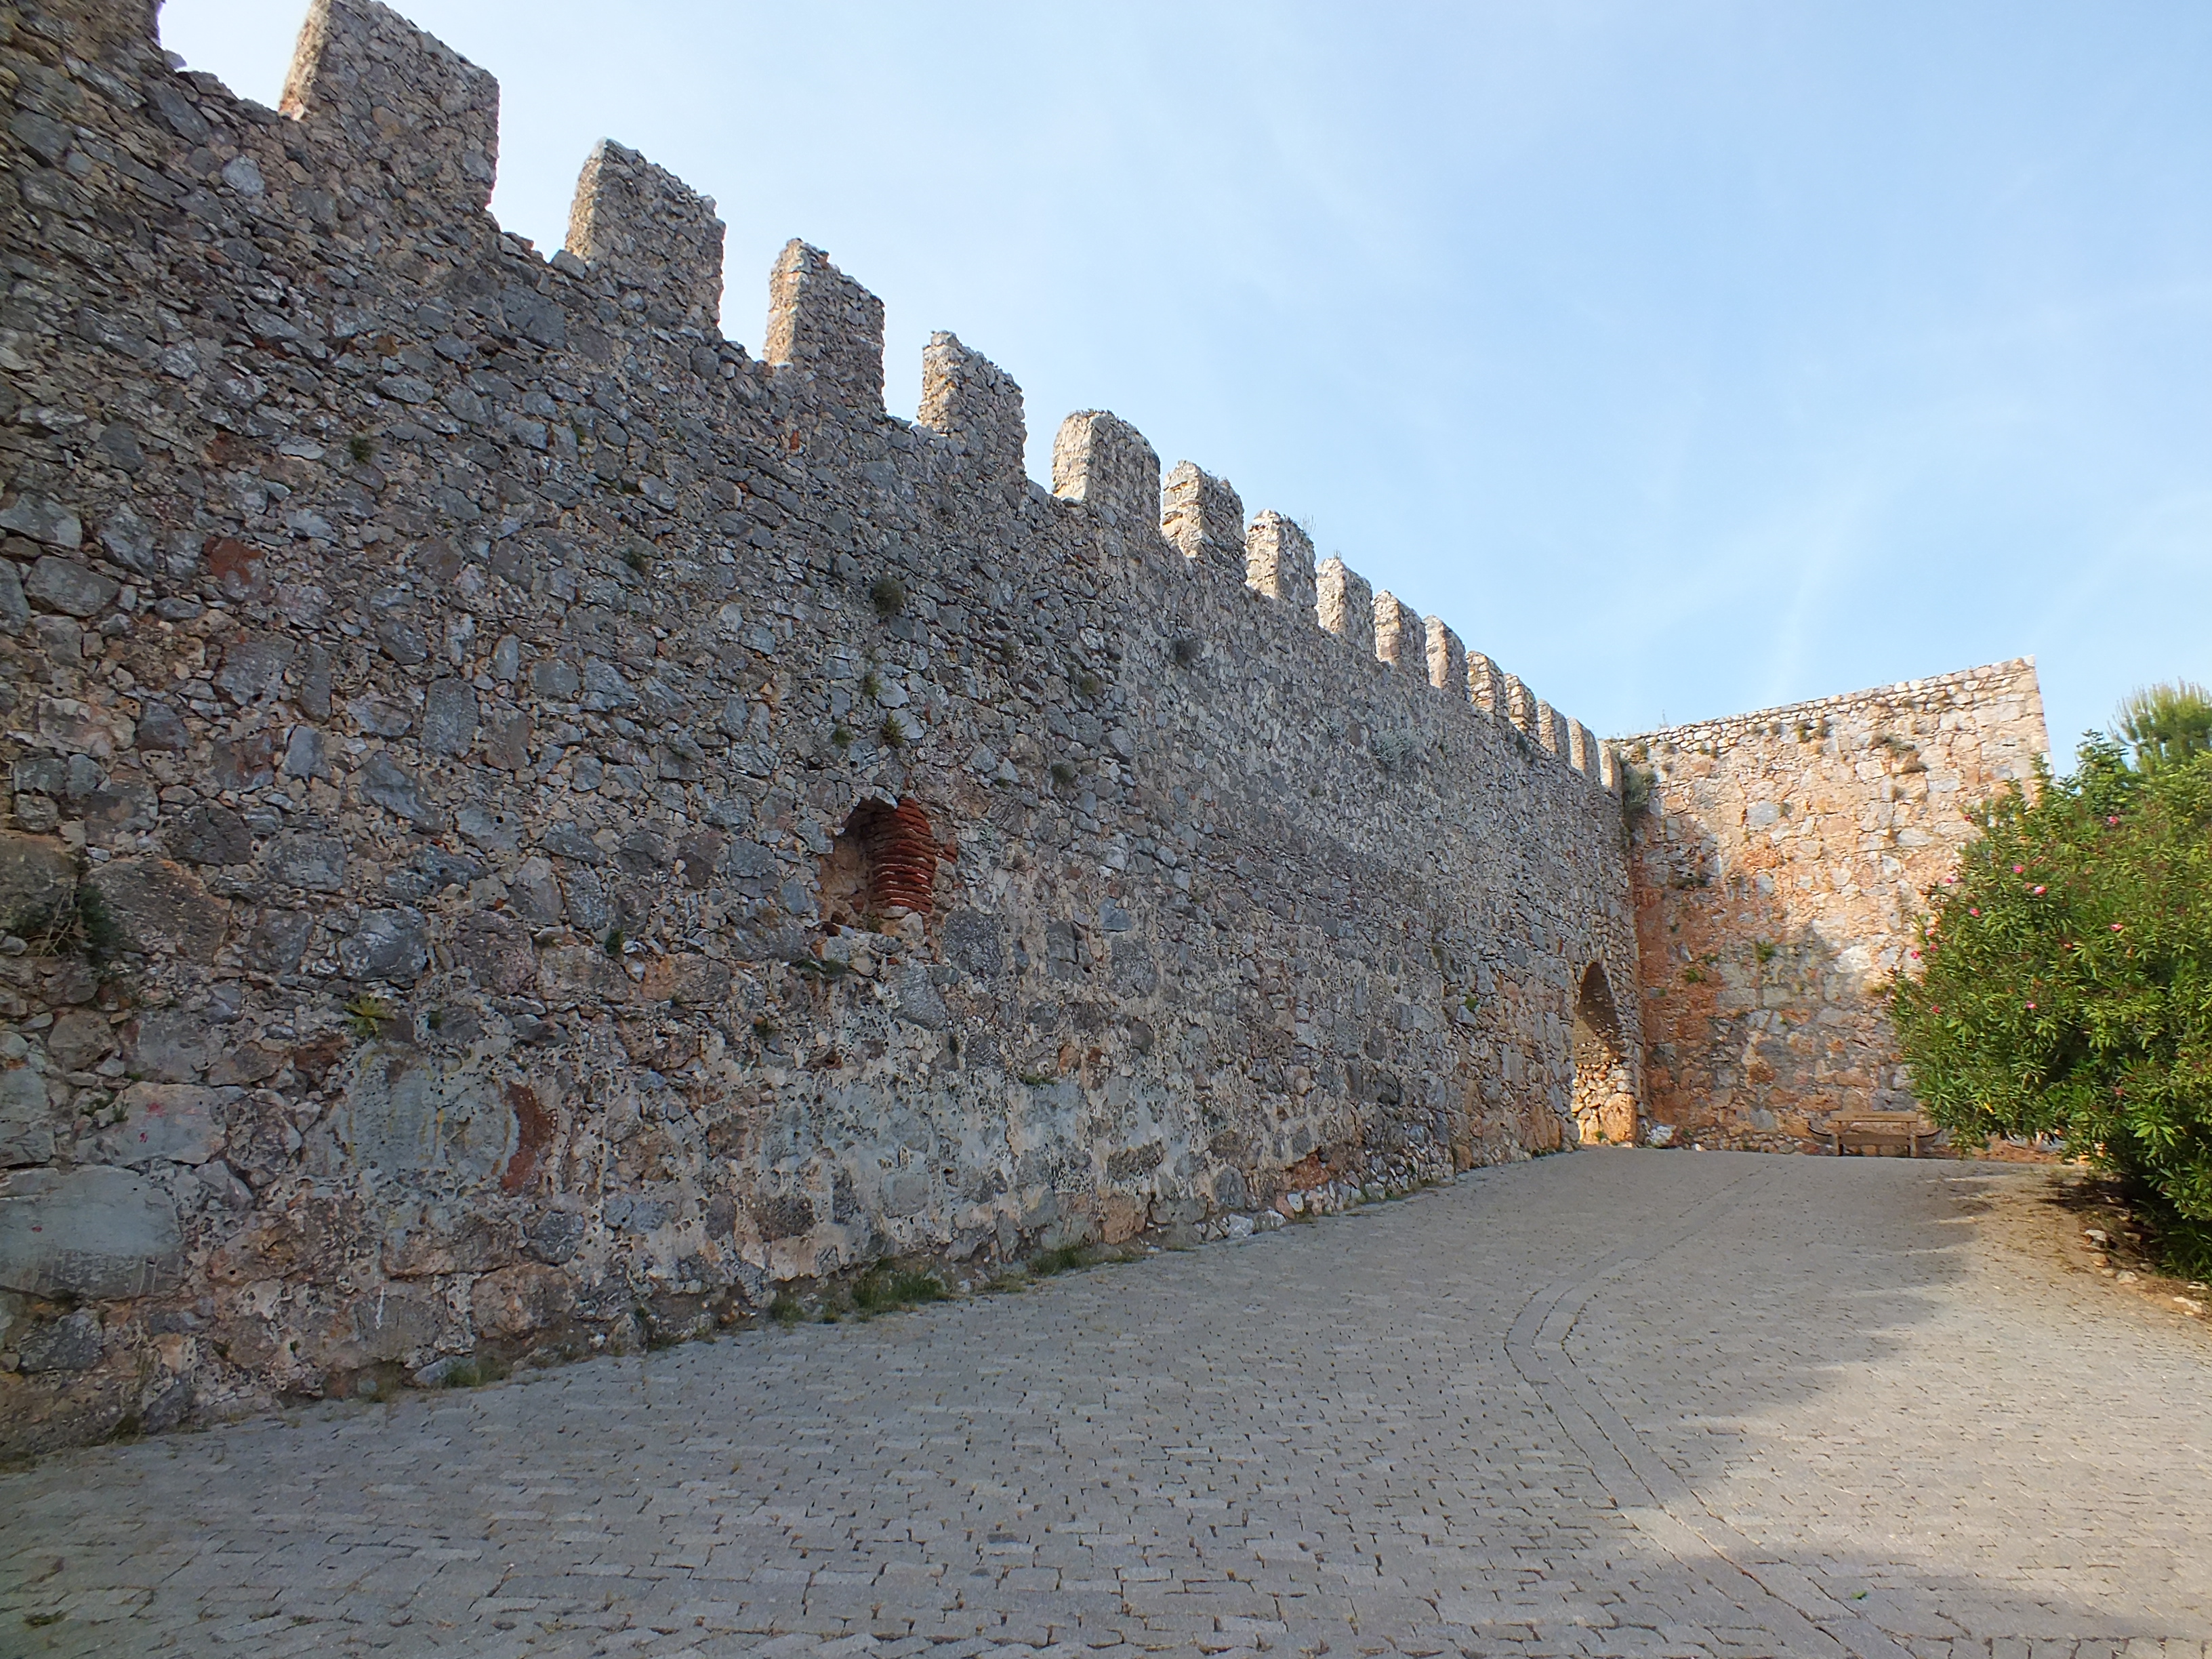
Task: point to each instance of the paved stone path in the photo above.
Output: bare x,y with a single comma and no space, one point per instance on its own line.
1620,1403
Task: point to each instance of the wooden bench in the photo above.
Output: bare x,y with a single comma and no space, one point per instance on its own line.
1881,1128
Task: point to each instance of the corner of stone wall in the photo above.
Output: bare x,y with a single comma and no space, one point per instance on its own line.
400,97
1779,874
654,232
825,325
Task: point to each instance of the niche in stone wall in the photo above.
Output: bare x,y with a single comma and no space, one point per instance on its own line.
1604,1107
882,866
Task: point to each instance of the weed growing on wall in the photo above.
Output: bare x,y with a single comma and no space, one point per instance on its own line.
2064,985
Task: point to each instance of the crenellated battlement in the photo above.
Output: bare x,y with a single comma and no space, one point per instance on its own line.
428,120
826,326
1202,515
654,233
1279,560
1346,604
398,98
1400,640
1103,462
972,401
595,821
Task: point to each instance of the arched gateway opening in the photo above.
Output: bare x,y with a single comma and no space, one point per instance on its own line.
1604,1107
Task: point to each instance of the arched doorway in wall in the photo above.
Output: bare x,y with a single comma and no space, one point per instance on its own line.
1604,1107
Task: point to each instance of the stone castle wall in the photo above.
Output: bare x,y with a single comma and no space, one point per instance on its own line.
1779,871
532,829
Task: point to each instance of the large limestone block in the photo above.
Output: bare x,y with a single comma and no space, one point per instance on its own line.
164,909
171,1122
36,875
405,1113
95,1233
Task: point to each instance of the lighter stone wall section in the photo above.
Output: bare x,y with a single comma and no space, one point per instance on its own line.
1779,871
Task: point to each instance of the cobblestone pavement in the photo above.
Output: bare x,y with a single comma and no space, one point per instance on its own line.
1620,1403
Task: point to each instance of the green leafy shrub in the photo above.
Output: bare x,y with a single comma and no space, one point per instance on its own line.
2064,983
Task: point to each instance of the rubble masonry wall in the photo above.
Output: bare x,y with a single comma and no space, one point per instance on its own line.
1780,871
467,723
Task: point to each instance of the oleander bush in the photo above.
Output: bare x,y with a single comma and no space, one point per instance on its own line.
2063,983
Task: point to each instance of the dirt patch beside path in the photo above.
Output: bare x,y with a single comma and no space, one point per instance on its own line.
2075,1222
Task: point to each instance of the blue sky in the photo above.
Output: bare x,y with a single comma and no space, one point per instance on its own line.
1688,358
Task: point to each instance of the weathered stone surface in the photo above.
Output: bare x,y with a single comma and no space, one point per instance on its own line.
81,1039
254,669
74,725
496,949
66,587
161,727
163,910
42,520
317,863
72,1343
211,835
519,1300
449,717
393,1321
692,980
172,1122
391,944
278,941
36,875
405,1113
15,609
1779,874
27,1135
444,1244
96,1233
384,782
170,1045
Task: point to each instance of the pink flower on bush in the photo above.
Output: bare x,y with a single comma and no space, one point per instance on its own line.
2038,892
2020,869
2116,927
1972,911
